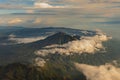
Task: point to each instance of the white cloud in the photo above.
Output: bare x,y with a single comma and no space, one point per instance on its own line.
102,72
46,5
12,36
84,45
39,62
29,11
25,40
42,5
37,21
15,21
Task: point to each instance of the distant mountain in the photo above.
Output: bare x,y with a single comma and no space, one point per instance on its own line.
57,38
25,52
11,27
60,38
18,61
33,32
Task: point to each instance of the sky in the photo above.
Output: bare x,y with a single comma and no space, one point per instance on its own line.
60,13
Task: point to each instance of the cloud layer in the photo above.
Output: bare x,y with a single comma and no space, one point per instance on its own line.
21,4
24,40
15,21
46,5
84,45
80,13
102,72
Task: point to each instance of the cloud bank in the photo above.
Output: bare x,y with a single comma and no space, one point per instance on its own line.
102,72
87,44
33,4
46,5
25,40
15,21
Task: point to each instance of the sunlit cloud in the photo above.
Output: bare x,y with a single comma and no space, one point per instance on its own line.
46,5
11,6
40,62
2,21
59,12
85,45
29,11
15,21
12,21
102,72
37,21
24,40
21,4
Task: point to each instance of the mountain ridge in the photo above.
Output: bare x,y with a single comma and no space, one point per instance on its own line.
57,38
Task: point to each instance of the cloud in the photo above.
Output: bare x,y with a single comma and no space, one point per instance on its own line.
24,40
11,6
86,44
2,21
115,1
21,4
46,5
39,62
15,21
102,72
42,5
92,1
90,4
29,11
37,21
27,20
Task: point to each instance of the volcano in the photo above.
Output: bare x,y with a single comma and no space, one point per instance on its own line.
60,38
57,38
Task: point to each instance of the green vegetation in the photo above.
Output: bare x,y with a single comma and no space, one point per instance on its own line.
18,71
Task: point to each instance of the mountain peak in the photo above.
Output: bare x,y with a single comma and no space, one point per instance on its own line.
60,38
57,38
60,34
